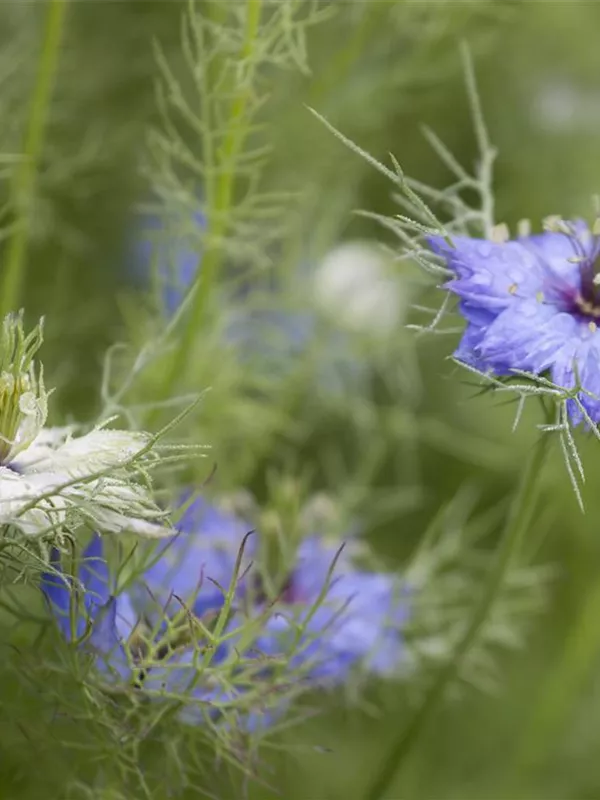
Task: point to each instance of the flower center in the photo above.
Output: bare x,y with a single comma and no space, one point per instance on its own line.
588,300
12,389
587,308
22,394
287,594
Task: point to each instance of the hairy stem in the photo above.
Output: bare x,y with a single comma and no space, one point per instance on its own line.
25,175
517,524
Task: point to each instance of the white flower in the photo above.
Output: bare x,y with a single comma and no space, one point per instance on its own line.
54,481
561,106
354,284
63,481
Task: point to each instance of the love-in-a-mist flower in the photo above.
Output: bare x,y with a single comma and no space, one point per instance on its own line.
325,619
191,576
532,304
197,624
128,651
50,477
328,622
334,616
149,639
138,646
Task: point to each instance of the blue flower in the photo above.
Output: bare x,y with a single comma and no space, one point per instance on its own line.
170,246
321,627
197,566
532,304
129,645
359,620
255,320
98,619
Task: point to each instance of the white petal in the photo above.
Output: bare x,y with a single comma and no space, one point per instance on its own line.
81,456
111,522
112,506
45,444
17,492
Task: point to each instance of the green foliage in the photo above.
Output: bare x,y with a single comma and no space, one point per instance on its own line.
178,109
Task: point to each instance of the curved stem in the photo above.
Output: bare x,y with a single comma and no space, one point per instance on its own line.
25,175
518,522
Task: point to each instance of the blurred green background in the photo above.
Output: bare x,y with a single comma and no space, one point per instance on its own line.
377,71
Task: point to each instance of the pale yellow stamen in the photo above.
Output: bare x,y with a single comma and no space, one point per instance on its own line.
587,308
592,326
555,224
500,233
512,289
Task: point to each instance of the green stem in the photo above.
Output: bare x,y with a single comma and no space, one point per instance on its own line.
25,175
560,691
517,524
220,202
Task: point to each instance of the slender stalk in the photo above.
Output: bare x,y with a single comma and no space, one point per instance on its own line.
222,191
559,693
25,174
518,522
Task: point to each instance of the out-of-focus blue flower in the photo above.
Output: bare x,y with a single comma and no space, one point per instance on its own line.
359,621
321,626
196,569
197,566
532,304
127,643
191,572
325,622
101,620
275,342
169,247
256,319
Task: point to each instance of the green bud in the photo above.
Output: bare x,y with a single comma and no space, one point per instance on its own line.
23,400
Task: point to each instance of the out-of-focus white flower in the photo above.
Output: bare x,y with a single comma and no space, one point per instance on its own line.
561,106
355,284
50,478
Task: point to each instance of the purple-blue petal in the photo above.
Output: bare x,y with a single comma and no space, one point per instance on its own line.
555,251
360,620
489,274
105,642
198,565
55,587
526,337
94,576
468,350
579,360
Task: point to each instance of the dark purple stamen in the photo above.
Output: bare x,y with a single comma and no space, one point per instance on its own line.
286,595
590,291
